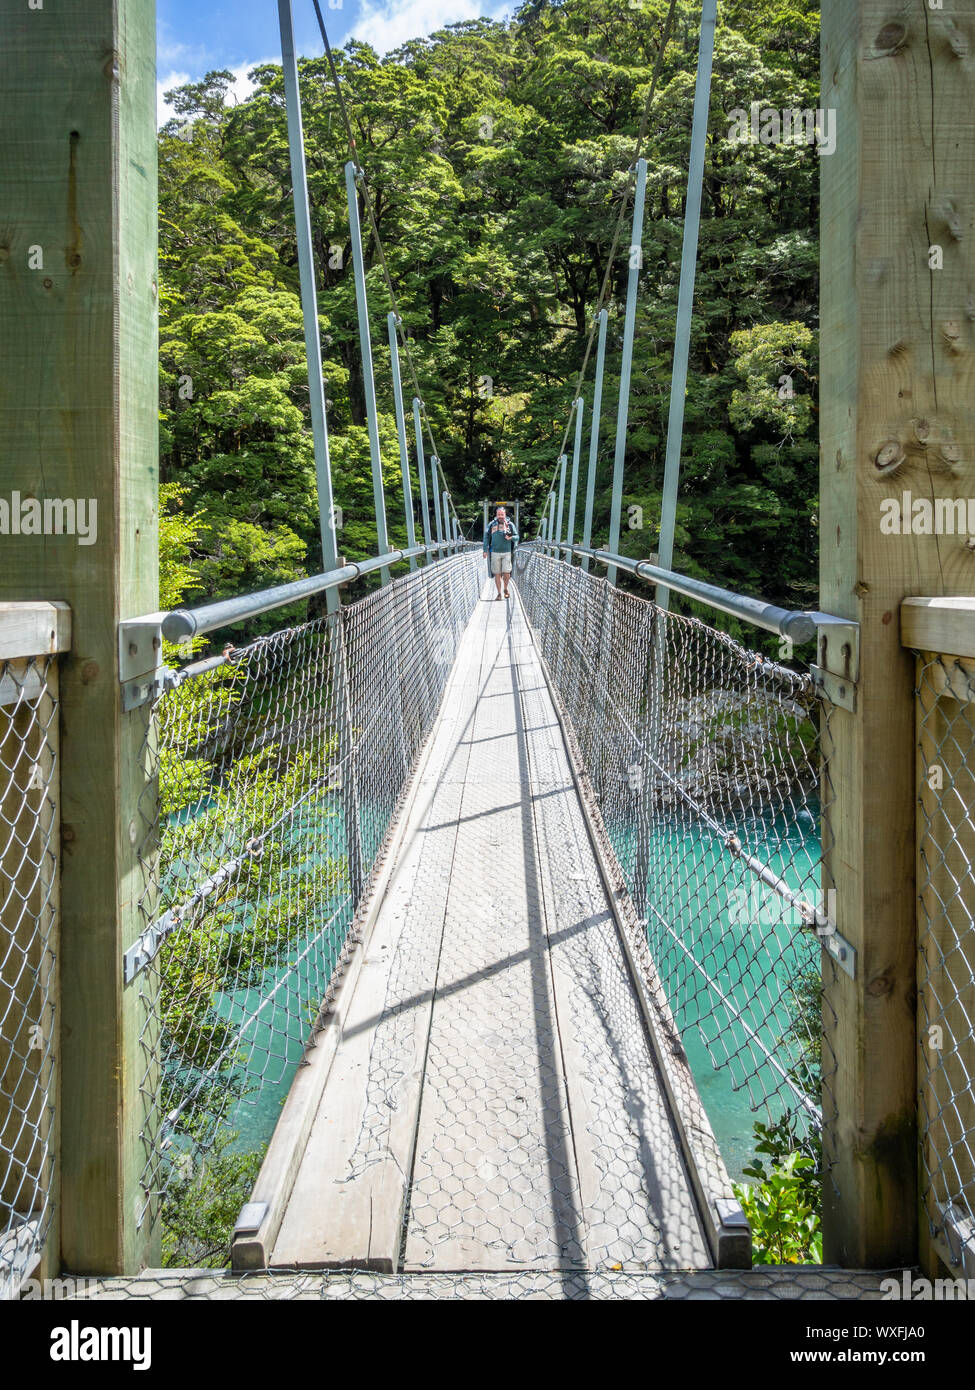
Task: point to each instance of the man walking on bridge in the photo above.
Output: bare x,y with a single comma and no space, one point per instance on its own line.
499,542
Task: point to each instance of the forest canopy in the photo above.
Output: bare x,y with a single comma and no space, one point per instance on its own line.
497,154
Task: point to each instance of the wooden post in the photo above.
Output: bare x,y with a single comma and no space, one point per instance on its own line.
78,423
898,197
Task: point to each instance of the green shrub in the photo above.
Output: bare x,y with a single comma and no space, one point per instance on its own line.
783,1203
201,1207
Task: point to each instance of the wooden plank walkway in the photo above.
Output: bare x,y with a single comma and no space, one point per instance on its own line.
493,1103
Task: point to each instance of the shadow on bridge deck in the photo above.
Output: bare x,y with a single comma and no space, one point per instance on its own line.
487,1096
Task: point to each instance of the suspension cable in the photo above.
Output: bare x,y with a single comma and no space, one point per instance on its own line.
367,203
604,287
631,178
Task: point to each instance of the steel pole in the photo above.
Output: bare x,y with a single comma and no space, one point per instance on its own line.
597,406
309,303
368,380
574,489
404,458
323,468
435,493
658,685
685,297
563,460
421,472
622,411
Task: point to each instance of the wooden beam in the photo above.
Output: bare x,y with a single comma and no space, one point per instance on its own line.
939,625
897,378
34,629
78,423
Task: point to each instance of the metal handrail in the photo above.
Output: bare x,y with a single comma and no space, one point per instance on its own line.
181,623
798,625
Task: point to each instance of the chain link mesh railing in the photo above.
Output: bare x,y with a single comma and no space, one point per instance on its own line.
28,953
946,952
705,759
277,767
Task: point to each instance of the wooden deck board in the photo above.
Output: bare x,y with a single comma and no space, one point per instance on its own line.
347,1201
494,1182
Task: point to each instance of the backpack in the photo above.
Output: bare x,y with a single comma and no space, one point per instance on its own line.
492,524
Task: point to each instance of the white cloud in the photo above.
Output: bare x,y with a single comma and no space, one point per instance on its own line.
240,89
387,26
163,110
170,52
242,85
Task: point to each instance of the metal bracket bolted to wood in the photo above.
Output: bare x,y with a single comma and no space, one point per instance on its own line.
831,940
836,677
842,952
838,652
141,952
141,672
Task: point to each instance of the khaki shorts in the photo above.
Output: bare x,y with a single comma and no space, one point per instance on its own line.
500,562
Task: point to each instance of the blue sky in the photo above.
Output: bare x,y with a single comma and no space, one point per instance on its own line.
195,36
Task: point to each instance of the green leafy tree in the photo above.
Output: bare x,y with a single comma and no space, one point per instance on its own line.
497,157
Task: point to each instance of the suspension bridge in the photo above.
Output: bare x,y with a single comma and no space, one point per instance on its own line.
437,916
494,1081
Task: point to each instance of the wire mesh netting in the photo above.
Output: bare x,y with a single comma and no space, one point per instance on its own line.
28,953
705,759
766,1284
946,950
276,768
